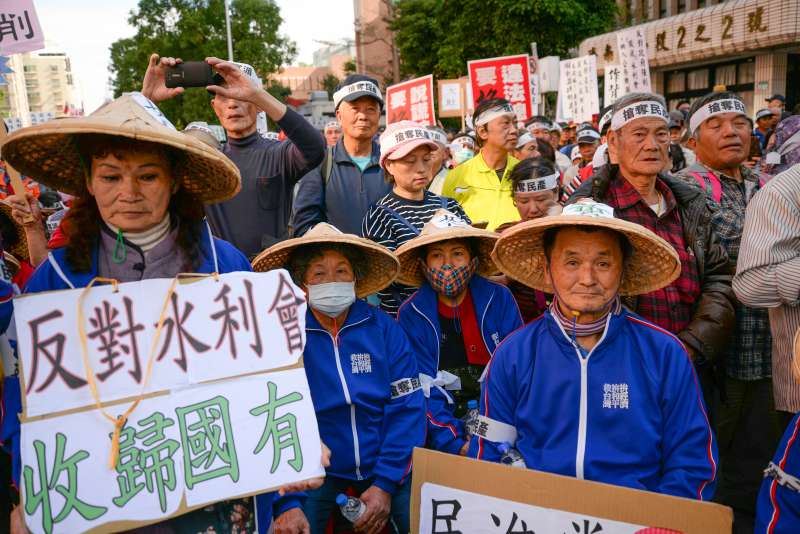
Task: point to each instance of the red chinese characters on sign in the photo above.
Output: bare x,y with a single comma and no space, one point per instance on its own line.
503,77
411,101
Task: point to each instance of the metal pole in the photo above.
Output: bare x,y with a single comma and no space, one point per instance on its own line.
228,29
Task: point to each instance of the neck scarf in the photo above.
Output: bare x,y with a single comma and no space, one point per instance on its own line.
576,329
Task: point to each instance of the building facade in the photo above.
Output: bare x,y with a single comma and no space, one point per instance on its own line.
376,53
748,46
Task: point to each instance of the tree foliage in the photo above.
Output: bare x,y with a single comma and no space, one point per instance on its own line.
194,30
440,36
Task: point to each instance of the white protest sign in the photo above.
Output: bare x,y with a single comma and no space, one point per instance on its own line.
451,98
19,28
577,89
215,328
613,87
235,437
444,509
632,47
534,69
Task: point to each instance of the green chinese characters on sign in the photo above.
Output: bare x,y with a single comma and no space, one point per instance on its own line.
145,460
47,484
282,430
209,451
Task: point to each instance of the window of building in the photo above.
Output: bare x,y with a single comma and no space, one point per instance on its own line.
681,6
662,8
697,79
676,82
736,76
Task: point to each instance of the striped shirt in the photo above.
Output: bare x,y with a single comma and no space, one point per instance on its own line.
768,274
386,228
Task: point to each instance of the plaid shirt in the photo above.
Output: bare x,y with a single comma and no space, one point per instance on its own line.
671,307
749,356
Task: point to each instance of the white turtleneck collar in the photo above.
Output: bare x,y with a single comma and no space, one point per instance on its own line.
148,239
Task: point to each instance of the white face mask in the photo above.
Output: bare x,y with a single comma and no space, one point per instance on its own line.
332,298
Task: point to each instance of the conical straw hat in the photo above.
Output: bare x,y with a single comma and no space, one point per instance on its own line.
48,152
443,226
20,248
382,265
653,264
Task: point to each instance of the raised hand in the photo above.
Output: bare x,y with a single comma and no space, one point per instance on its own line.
154,84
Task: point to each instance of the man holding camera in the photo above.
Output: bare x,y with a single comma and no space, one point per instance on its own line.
258,216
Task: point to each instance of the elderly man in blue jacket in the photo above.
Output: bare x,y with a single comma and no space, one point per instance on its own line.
590,389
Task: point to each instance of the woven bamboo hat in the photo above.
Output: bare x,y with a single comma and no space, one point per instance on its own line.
20,248
653,264
382,265
444,226
11,262
49,151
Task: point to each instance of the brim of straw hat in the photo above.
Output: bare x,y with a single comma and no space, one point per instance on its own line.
410,252
49,154
653,264
382,265
20,248
11,262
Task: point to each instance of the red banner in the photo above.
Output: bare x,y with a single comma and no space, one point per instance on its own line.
503,77
411,101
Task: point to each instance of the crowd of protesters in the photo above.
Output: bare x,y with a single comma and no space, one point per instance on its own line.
615,301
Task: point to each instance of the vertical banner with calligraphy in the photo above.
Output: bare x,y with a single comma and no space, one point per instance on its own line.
503,77
411,101
19,28
632,46
612,84
534,70
577,89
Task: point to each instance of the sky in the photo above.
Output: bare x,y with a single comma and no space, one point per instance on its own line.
85,29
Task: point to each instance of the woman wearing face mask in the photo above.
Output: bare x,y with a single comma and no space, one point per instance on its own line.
407,154
454,321
462,148
535,185
362,373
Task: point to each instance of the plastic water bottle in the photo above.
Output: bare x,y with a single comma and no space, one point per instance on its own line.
471,419
351,507
511,456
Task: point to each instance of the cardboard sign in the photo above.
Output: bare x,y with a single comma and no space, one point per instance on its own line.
454,494
632,47
19,28
215,420
613,87
503,77
215,328
411,101
577,89
451,98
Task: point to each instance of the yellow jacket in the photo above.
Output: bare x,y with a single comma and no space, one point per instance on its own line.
475,186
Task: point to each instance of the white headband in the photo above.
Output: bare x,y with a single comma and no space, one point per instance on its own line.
333,124
369,88
524,139
639,110
391,140
716,107
493,113
534,185
464,140
438,137
604,119
539,126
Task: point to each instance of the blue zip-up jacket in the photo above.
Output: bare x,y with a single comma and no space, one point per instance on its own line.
54,274
778,507
370,432
630,413
344,199
498,316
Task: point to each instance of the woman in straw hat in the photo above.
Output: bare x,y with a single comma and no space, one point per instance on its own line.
406,149
140,187
361,371
454,321
589,389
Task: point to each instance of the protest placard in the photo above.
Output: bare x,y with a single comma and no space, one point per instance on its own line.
503,77
218,416
19,28
451,98
577,89
612,84
454,494
411,100
632,47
